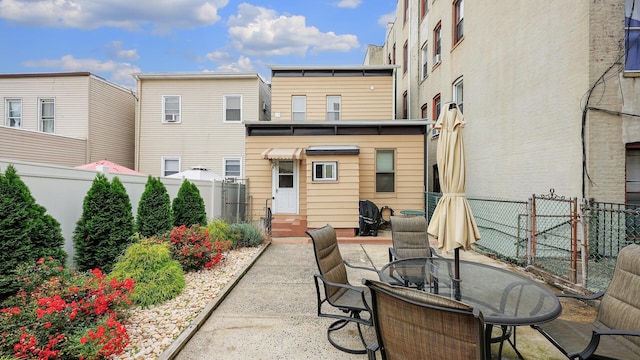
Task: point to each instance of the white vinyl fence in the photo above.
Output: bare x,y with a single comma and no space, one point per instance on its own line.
61,190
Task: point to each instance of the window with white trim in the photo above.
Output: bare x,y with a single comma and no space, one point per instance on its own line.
425,60
171,105
232,167
170,165
458,29
385,170
13,113
333,107
457,93
47,115
232,108
325,171
298,108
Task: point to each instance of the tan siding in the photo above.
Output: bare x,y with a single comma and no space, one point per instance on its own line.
409,175
333,203
37,147
358,100
70,94
111,129
202,138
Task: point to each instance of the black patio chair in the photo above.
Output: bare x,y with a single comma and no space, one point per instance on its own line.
351,302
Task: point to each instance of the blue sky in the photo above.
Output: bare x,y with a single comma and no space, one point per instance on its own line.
115,38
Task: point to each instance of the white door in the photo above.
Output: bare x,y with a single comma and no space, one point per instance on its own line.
285,187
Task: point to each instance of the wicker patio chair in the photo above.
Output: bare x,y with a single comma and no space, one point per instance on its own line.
350,301
413,324
615,334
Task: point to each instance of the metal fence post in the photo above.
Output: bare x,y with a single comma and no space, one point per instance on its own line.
530,230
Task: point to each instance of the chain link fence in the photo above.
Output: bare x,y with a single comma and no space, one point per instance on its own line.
610,227
552,233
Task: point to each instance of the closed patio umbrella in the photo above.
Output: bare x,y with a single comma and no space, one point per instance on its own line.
452,223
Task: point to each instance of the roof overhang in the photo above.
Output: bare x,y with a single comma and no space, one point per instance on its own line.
333,150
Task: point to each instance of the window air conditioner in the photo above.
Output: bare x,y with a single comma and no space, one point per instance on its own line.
436,59
171,117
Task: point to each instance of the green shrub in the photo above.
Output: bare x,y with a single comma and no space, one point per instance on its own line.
154,209
193,249
248,234
188,206
105,227
157,277
220,230
27,233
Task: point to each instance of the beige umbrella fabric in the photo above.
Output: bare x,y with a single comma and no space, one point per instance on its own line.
452,223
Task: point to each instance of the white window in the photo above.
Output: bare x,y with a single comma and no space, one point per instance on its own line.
47,113
170,165
13,113
232,108
425,60
233,167
298,108
333,107
325,171
171,105
385,170
457,93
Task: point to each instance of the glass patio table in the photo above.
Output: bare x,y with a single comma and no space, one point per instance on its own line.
506,299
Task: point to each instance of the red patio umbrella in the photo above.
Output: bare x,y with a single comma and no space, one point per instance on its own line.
113,167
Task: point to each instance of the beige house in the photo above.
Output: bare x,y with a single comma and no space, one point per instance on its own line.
332,142
66,119
550,92
187,120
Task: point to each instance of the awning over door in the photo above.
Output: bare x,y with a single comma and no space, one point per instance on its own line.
282,154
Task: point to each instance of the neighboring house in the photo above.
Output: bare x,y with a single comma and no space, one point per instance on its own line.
187,120
66,119
333,141
550,91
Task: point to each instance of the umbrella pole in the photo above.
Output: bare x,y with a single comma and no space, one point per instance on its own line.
456,280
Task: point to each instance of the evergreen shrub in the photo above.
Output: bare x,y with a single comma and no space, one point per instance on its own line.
188,206
27,232
154,209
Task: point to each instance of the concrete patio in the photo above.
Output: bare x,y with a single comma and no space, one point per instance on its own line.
271,312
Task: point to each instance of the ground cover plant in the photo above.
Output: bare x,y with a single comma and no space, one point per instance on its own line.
64,314
158,277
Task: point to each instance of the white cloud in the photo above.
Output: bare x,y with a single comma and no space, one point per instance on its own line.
387,18
242,64
120,72
348,3
219,56
263,32
114,51
159,15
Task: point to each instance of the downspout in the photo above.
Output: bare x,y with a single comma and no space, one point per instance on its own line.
137,117
409,65
395,91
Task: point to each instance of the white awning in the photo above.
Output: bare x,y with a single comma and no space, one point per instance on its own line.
282,154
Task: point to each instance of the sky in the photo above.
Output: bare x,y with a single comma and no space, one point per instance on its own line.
116,38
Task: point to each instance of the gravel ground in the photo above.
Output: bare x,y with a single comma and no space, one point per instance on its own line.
153,330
